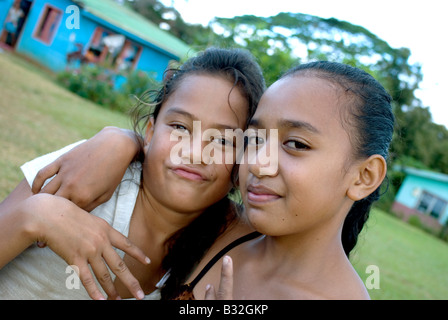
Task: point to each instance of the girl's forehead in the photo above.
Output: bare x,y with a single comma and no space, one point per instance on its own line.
301,92
306,106
310,101
207,96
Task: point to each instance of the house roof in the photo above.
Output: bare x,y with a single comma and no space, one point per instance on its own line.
127,19
424,173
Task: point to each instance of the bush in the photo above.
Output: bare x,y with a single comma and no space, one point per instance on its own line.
415,221
106,88
444,232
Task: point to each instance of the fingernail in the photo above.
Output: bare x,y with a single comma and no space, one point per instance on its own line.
140,294
226,260
147,260
208,287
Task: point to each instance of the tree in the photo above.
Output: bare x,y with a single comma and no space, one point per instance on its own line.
328,39
169,18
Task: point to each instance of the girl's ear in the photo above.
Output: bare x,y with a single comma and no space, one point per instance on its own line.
370,174
149,133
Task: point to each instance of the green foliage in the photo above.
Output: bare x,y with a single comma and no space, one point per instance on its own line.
415,221
444,232
197,36
98,84
417,137
329,39
89,82
137,83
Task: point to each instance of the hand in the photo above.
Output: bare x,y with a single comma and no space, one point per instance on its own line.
81,238
89,174
225,291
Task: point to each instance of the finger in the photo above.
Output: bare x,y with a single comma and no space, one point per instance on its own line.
210,292
119,268
43,174
52,187
89,283
103,276
225,291
121,242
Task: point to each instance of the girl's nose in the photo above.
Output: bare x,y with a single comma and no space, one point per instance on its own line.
263,160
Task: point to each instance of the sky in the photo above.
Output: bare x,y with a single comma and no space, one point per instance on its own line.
418,25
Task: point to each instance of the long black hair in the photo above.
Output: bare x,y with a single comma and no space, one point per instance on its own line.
370,114
187,246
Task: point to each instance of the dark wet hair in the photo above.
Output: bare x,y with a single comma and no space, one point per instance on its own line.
371,124
187,246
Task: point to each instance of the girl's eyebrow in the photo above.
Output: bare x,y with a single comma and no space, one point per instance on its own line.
286,123
219,126
298,125
181,112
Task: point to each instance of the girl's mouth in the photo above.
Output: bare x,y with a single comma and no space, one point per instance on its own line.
261,194
189,173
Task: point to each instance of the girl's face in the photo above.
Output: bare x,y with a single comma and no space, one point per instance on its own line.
308,187
192,187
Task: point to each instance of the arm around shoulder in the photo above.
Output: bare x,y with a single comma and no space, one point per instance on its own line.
89,174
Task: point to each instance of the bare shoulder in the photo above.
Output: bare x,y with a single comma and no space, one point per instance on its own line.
348,286
341,282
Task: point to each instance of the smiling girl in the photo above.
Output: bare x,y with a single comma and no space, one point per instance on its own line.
334,126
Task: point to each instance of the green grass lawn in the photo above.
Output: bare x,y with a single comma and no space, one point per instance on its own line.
37,116
412,263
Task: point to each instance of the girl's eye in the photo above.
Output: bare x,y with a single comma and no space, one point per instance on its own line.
297,145
222,141
255,140
179,127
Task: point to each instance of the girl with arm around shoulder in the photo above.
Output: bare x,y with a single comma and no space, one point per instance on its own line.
332,125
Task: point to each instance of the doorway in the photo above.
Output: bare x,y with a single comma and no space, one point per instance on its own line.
15,20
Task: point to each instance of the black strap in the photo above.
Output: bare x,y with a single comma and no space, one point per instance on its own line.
219,255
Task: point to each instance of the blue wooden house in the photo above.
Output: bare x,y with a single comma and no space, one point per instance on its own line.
60,33
425,194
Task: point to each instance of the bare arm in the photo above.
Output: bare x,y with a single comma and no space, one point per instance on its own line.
77,236
89,174
14,237
69,231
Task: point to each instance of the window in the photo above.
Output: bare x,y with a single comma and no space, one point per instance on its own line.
97,50
431,204
48,25
113,50
129,56
438,208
